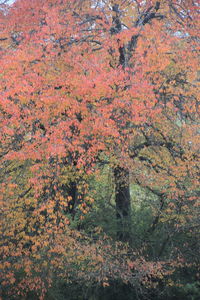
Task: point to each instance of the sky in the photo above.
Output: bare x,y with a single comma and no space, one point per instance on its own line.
11,1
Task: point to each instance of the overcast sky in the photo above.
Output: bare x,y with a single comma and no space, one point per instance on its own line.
11,1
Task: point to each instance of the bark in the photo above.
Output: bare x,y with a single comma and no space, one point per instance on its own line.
123,203
71,190
122,192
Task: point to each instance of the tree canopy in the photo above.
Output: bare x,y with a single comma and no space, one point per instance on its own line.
92,90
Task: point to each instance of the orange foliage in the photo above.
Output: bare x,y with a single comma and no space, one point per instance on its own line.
65,99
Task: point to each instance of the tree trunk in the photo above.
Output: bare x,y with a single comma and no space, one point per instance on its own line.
122,193
123,203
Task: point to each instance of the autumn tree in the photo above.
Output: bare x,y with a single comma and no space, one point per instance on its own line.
87,83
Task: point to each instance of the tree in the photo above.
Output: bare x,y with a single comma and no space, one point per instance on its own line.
86,83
